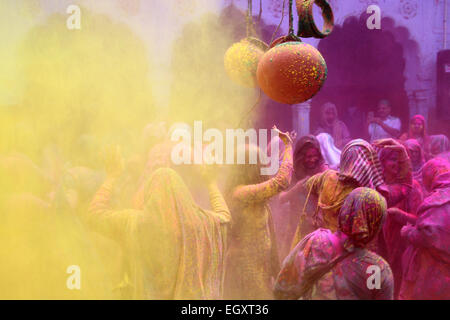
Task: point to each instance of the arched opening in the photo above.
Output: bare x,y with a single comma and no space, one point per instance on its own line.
364,66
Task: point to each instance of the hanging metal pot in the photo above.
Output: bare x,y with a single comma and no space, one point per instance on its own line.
307,28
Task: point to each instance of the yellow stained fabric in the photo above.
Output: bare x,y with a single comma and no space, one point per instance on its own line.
331,193
172,248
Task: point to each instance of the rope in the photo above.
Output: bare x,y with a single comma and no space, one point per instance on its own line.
260,11
291,18
279,25
249,18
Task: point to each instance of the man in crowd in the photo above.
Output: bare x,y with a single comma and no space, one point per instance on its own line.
384,126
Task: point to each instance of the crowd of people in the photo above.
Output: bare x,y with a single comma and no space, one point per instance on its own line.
382,203
337,208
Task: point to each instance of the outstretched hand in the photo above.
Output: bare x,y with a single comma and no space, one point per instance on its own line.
293,135
284,136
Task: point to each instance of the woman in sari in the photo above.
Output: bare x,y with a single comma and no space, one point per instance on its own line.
439,144
158,157
327,265
330,123
426,262
360,167
417,157
418,130
172,248
405,194
330,153
252,262
308,161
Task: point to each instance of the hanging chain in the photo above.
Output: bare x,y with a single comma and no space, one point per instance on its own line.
279,25
260,11
249,18
291,18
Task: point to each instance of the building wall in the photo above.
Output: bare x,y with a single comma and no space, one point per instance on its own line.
421,20
424,22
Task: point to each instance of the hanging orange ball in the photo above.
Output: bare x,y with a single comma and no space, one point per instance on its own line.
291,72
241,61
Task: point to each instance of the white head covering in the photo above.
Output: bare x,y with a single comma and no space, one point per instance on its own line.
330,152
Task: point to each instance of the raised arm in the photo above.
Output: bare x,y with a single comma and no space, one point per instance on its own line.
208,173
431,229
293,192
402,217
263,191
103,219
100,216
218,203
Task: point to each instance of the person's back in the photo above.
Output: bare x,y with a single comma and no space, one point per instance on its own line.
327,265
439,143
349,278
359,166
331,192
252,260
425,266
426,271
288,208
172,249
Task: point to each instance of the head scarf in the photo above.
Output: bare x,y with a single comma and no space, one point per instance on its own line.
385,149
337,128
433,173
158,157
438,144
424,124
154,132
362,216
424,140
360,162
305,142
412,145
189,242
327,106
330,152
433,212
360,219
428,256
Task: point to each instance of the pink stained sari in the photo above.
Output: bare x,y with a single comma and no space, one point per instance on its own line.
290,207
413,146
338,130
426,262
405,194
439,143
327,265
423,139
172,248
304,143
